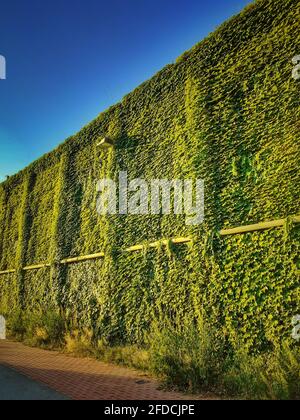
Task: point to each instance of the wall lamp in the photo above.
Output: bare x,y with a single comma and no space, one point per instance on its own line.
106,143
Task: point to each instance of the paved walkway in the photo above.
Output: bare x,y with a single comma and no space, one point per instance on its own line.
17,387
82,378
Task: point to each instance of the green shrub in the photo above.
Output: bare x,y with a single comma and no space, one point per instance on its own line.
53,326
15,326
188,355
80,343
274,375
131,356
191,357
43,330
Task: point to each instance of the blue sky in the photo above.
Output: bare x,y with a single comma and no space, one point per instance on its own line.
68,60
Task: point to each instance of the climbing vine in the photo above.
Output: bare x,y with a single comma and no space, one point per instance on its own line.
227,112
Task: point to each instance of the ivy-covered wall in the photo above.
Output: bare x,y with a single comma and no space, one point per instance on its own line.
227,112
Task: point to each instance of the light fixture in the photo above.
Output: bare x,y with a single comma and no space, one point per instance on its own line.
106,143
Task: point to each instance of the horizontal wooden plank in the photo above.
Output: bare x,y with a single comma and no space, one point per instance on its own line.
181,240
258,227
134,248
164,242
83,258
36,267
7,272
223,232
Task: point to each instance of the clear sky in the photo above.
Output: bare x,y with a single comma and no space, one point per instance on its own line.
68,60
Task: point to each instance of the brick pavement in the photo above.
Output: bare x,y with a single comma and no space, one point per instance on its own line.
84,378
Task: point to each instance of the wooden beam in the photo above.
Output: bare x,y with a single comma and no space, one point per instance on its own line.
164,242
176,241
36,267
83,258
258,226
223,232
134,248
7,272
